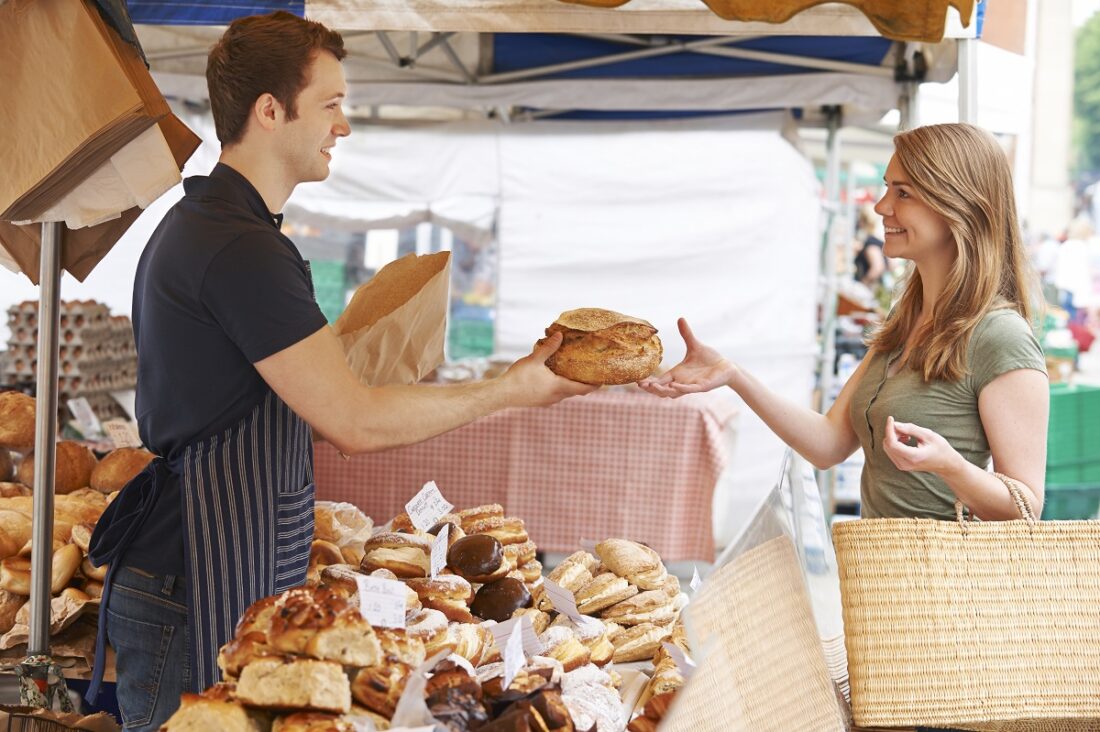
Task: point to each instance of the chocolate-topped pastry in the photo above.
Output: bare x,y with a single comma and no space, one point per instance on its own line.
553,710
456,678
457,708
498,600
478,558
454,533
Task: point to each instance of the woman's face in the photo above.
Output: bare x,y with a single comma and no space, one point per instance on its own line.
913,230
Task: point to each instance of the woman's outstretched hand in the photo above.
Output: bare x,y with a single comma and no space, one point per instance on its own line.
702,369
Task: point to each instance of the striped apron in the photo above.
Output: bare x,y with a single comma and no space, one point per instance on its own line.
247,504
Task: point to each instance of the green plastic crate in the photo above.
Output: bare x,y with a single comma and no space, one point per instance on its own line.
467,338
1073,453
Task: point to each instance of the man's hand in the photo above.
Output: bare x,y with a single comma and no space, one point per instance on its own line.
532,384
702,369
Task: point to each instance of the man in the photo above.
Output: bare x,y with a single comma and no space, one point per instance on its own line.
235,364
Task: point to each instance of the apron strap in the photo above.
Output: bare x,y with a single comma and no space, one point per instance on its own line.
114,532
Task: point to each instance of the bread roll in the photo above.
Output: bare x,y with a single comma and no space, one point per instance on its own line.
7,466
313,722
319,622
15,572
200,714
604,347
119,468
636,562
9,606
74,466
16,421
274,683
10,490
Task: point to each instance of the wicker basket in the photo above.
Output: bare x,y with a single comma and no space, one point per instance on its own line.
972,623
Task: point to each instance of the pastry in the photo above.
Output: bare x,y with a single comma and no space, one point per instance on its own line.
500,599
540,621
604,347
477,557
319,622
378,688
242,650
574,571
505,530
197,713
15,572
472,642
430,626
520,554
401,646
312,722
406,555
91,571
602,592
118,468
9,490
651,606
344,525
563,645
478,513
305,684
449,593
7,466
638,642
257,618
16,421
636,562
74,464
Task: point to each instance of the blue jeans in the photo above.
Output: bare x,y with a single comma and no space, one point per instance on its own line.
147,627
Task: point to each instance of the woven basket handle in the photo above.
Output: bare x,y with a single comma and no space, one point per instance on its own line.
1015,489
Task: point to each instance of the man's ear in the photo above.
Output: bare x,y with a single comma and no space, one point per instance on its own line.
267,111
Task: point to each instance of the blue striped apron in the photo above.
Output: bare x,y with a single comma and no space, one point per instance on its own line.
247,504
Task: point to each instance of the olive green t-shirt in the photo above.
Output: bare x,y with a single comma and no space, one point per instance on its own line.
1001,342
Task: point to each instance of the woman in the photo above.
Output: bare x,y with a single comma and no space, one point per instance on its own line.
954,375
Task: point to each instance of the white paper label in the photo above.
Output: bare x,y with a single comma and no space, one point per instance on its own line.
439,550
502,632
85,417
696,580
122,433
514,659
382,601
564,602
683,663
588,545
427,507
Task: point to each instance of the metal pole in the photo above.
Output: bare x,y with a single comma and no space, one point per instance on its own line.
968,80
828,307
49,315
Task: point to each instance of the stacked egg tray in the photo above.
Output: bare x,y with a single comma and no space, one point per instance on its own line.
96,353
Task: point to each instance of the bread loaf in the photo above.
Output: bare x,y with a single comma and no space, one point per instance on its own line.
119,468
74,466
275,683
16,421
7,466
604,347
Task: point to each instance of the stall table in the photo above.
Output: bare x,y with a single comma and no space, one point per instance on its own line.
614,463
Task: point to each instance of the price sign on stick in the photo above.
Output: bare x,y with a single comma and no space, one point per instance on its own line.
532,646
382,601
122,433
685,665
439,550
514,659
427,507
696,580
85,417
564,602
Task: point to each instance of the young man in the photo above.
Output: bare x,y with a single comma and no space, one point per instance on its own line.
235,364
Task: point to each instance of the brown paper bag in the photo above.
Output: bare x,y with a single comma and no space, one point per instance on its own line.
67,102
394,328
83,249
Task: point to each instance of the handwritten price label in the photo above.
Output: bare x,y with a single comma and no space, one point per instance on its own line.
427,507
382,601
564,602
122,433
439,550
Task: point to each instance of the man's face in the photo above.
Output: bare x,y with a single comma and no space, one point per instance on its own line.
307,141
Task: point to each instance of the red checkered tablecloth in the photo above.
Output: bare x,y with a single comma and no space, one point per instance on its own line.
613,463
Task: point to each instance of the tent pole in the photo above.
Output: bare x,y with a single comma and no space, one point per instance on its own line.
49,314
968,80
826,479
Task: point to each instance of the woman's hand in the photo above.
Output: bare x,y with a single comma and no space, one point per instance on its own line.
702,369
916,448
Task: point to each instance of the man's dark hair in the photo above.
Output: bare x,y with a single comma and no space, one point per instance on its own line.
263,54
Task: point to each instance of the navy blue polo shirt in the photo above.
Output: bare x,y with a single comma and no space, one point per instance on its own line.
218,288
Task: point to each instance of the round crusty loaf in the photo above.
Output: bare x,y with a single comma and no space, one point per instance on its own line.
602,347
16,421
74,466
7,466
118,468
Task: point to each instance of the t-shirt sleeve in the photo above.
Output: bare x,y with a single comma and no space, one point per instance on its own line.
259,293
1003,343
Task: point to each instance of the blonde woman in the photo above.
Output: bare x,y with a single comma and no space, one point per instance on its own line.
954,376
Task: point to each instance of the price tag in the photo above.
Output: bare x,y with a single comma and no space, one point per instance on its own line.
696,580
502,632
85,417
427,507
685,665
122,433
514,659
439,550
382,601
588,545
564,602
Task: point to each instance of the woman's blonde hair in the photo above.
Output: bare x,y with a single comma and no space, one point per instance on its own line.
962,174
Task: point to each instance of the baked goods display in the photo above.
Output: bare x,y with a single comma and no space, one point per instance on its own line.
16,421
74,583
118,468
307,659
603,347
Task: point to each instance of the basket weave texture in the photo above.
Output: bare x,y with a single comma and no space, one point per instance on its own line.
972,624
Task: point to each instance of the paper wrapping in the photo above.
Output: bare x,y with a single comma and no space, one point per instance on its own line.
19,718
395,326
